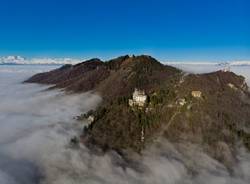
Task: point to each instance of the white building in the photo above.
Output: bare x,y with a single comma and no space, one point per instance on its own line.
139,98
91,118
196,94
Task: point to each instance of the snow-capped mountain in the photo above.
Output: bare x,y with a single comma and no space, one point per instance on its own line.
240,63
230,63
18,60
235,63
12,60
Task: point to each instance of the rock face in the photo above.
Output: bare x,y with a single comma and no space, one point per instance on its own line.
202,109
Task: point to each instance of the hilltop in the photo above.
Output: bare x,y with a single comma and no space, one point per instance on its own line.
211,110
114,78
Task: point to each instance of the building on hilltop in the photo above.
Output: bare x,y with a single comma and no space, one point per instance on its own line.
196,94
139,98
226,69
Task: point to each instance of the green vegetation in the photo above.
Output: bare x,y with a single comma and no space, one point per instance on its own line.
216,121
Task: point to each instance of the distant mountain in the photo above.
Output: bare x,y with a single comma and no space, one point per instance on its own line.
240,63
211,110
12,60
18,60
231,63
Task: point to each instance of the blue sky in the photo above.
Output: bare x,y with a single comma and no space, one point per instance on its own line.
176,30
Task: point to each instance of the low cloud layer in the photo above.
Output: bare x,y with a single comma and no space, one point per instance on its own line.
36,126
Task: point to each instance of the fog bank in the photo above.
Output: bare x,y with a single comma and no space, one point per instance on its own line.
36,126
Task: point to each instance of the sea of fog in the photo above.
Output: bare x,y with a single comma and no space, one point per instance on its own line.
36,126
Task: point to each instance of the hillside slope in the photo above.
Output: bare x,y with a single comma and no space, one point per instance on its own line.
211,110
112,78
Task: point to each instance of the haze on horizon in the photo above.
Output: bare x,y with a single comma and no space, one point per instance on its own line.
168,30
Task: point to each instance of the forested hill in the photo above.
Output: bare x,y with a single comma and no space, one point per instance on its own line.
211,110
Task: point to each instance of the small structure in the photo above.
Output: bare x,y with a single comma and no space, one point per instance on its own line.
181,101
226,69
148,109
91,119
139,98
196,94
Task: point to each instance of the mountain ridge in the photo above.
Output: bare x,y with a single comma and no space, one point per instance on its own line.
211,110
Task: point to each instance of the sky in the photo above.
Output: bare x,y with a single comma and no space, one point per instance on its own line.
177,30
